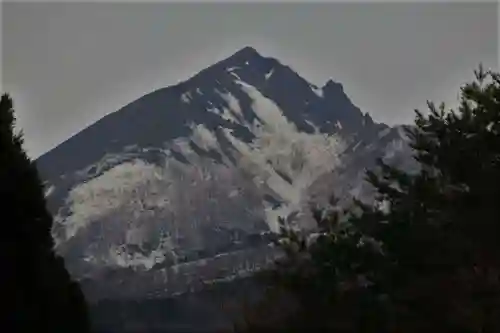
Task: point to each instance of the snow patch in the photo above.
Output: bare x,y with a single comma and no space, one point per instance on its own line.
204,138
233,103
268,75
317,91
236,76
49,190
186,97
230,70
98,197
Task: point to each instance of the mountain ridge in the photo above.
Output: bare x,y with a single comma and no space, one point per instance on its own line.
245,54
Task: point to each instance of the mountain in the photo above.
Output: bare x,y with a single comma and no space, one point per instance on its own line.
183,186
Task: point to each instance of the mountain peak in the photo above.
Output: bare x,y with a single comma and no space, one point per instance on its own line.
333,86
247,51
245,55
246,59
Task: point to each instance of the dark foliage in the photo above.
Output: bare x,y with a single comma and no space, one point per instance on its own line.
425,257
37,292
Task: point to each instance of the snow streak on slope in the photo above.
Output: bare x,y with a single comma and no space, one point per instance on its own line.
49,191
282,158
204,138
268,75
234,113
233,103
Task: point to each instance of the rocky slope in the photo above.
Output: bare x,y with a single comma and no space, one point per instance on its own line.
186,183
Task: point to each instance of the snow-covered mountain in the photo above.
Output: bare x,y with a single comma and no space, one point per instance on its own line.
190,180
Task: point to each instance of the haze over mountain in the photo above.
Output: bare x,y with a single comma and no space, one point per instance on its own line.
184,185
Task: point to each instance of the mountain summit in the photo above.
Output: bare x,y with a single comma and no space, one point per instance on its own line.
247,53
190,180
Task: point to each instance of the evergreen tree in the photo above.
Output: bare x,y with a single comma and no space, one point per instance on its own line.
37,291
426,255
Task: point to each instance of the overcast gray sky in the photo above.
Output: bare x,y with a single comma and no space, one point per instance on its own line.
67,65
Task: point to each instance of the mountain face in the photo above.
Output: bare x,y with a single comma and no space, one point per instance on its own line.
187,183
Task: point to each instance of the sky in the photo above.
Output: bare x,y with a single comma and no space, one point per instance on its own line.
66,65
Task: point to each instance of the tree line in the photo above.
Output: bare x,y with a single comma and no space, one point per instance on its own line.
423,257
